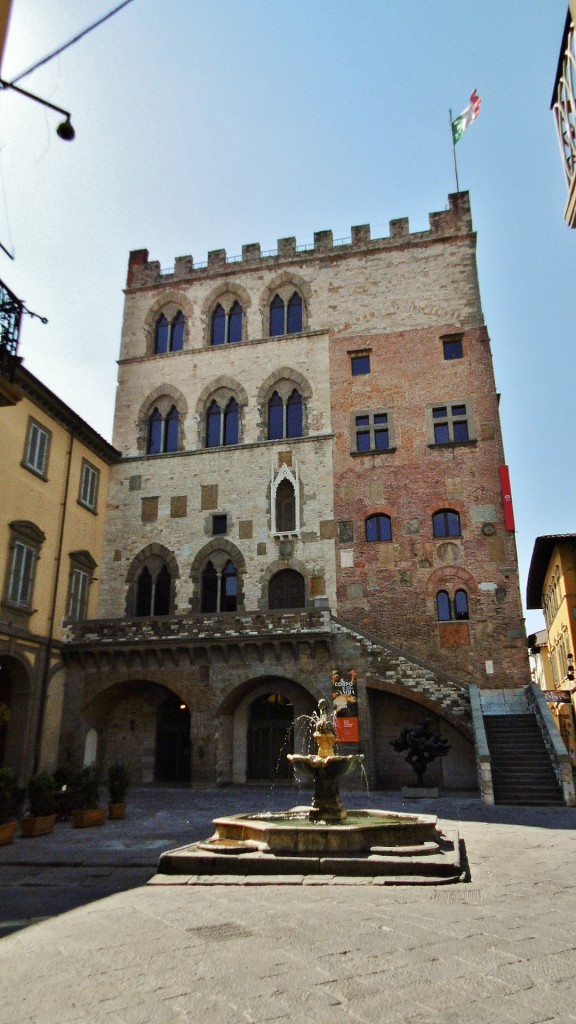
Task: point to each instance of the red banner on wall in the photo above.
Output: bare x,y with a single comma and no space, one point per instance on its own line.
345,700
507,499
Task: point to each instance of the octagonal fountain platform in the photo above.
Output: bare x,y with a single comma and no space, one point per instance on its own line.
324,839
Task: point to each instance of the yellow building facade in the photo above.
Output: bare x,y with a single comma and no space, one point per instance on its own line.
52,499
552,587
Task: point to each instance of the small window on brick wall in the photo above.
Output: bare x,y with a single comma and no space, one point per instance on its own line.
452,346
360,364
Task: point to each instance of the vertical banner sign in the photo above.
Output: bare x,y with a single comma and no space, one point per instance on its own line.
345,700
507,499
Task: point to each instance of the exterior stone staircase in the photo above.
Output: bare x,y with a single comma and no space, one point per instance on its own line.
522,771
385,667
520,755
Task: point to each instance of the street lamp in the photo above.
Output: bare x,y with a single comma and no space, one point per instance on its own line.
65,130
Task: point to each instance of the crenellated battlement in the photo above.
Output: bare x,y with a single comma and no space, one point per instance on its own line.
456,220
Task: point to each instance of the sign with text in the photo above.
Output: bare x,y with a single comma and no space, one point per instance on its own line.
345,700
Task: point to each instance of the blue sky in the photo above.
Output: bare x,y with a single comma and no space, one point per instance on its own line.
206,124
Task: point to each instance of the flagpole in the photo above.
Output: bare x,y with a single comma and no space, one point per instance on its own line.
454,151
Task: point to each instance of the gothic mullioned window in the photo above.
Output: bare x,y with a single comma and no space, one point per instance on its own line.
222,423
449,609
219,588
226,324
153,588
163,432
285,416
169,334
285,316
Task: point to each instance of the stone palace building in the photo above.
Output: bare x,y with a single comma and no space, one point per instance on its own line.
312,478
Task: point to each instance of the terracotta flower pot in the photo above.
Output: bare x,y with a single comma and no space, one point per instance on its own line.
7,831
40,826
87,819
116,811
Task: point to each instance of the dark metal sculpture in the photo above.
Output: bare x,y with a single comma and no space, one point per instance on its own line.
423,746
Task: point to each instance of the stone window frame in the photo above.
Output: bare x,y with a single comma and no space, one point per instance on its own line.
284,285
162,398
372,428
171,323
26,540
284,381
152,557
222,518
221,390
80,578
364,353
452,346
218,550
292,476
169,305
225,295
285,294
448,415
35,432
89,486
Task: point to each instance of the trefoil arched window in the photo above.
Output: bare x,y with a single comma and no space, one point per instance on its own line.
285,500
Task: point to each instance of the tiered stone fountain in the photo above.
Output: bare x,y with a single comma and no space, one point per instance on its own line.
324,838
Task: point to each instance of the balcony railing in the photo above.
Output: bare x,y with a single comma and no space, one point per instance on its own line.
10,316
198,629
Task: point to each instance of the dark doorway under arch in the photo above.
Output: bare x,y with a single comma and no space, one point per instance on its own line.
172,762
286,589
270,738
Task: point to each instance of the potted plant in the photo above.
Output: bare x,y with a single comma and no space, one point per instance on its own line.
8,804
41,805
87,810
118,784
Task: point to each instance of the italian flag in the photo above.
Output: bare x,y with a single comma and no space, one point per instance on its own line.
465,119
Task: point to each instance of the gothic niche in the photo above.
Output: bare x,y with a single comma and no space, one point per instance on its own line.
285,501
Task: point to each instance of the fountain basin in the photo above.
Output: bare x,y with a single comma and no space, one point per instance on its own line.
294,833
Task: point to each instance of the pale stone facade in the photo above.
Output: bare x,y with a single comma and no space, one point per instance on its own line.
235,535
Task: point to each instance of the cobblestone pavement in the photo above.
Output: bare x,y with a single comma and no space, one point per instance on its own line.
501,948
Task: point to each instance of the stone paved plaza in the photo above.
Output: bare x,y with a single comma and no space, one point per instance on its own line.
500,948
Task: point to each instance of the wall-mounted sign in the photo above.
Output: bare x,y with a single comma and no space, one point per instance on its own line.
345,700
